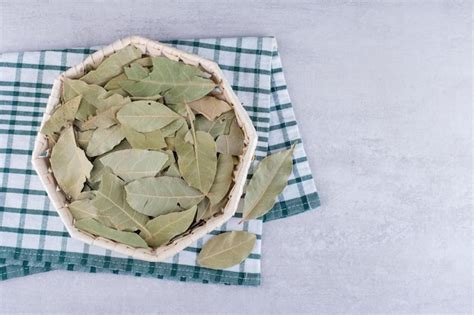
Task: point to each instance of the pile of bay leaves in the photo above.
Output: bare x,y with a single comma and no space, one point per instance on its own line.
145,149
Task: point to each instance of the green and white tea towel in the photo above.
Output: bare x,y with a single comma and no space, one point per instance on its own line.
33,238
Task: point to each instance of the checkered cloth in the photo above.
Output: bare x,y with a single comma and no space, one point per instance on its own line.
32,236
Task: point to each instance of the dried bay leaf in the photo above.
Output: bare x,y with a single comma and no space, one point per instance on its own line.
223,179
90,93
181,132
70,165
229,119
102,119
83,209
228,144
94,227
155,196
104,140
233,143
175,80
136,72
114,83
226,250
210,107
145,61
146,116
170,142
198,162
206,211
166,227
108,100
123,145
178,134
171,158
172,128
188,137
98,170
202,209
113,208
85,111
72,88
219,207
61,117
268,181
172,168
86,195
118,91
214,128
179,108
153,140
130,86
235,129
112,66
133,164
236,160
83,138
189,114
155,98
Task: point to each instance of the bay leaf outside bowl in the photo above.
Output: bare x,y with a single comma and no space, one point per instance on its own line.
41,152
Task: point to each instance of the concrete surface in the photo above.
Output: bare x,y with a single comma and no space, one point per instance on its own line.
382,91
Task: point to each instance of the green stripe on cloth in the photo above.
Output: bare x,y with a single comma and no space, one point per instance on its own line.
32,236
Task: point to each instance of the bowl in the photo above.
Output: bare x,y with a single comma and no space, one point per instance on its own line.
42,150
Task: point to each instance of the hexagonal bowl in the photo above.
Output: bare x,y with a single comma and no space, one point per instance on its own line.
41,152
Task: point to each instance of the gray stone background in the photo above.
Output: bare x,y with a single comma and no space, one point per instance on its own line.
382,93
